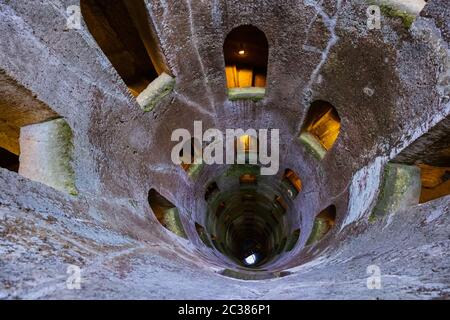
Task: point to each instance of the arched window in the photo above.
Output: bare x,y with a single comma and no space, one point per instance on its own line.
323,223
247,179
321,128
246,53
123,31
166,213
247,143
420,172
292,183
246,149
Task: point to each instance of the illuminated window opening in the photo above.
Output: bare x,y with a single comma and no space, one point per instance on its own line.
435,182
292,182
321,129
246,143
323,223
166,213
247,179
246,149
246,53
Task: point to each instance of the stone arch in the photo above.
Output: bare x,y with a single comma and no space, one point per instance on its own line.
246,54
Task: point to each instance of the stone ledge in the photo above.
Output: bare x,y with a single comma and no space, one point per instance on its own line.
400,188
313,145
46,155
250,93
155,92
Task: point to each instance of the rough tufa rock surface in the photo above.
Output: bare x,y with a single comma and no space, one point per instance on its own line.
388,87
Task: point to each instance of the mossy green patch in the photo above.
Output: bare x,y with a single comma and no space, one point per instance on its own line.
400,187
65,159
389,11
320,229
313,145
194,170
155,92
251,93
172,222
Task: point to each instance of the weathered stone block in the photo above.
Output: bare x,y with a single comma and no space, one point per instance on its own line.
250,93
173,223
313,145
320,229
400,189
46,154
155,92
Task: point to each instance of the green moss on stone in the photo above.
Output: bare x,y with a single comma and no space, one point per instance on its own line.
172,222
194,170
400,187
251,93
65,141
320,229
373,217
389,11
293,239
313,145
155,92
